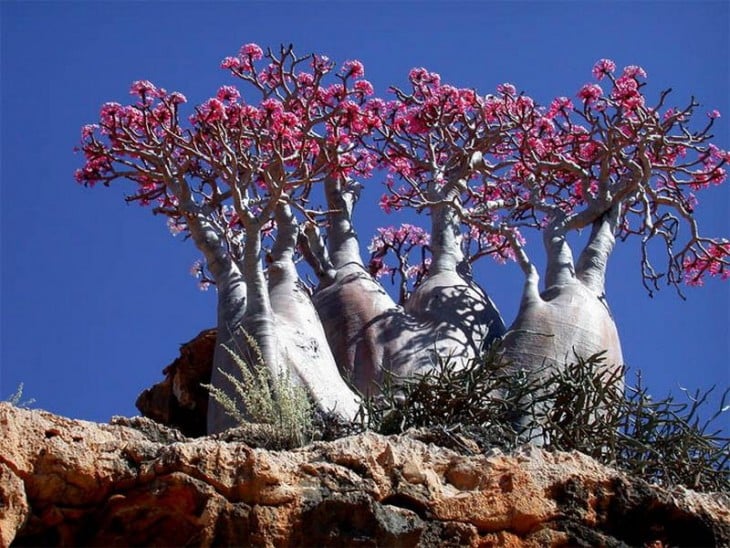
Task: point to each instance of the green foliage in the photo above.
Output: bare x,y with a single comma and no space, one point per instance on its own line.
482,394
259,397
16,399
583,406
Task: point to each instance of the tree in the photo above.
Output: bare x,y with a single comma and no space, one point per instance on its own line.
259,185
614,165
502,165
235,174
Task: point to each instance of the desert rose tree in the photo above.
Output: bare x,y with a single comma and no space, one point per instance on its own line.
368,332
612,164
232,174
429,140
606,162
431,143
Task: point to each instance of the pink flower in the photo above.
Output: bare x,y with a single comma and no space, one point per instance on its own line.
506,89
272,106
143,87
305,79
713,260
210,111
420,75
388,203
228,94
88,130
718,154
702,179
321,64
602,68
231,63
355,69
364,87
626,92
161,114
559,104
80,177
177,98
634,71
590,93
109,112
713,114
333,93
253,51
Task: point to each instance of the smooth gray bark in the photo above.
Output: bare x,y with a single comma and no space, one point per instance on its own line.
571,316
232,292
455,307
368,333
360,319
303,350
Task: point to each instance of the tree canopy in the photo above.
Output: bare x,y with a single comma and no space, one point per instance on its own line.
265,177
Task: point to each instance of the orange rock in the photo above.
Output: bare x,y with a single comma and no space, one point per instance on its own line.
67,482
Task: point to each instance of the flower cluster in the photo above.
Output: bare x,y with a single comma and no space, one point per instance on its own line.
501,161
714,260
407,244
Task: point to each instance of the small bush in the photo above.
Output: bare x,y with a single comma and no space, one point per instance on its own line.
481,395
582,406
17,400
260,398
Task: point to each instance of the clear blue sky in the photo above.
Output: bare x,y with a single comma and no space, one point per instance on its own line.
96,295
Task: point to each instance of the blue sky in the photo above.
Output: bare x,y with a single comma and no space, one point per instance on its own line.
96,295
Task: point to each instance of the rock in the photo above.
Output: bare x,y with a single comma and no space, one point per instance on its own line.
179,400
71,482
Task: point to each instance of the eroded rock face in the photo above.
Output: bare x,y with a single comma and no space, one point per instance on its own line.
69,482
179,400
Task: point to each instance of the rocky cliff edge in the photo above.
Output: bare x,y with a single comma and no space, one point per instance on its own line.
134,482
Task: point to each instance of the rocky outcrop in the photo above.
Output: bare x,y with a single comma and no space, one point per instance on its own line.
134,482
180,400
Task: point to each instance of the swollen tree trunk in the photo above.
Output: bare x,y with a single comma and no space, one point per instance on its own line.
356,311
303,349
236,324
454,307
368,333
571,316
232,292
231,289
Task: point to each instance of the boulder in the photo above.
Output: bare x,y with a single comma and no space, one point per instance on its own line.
179,400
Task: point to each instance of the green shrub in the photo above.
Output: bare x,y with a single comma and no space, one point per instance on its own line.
260,398
17,400
581,406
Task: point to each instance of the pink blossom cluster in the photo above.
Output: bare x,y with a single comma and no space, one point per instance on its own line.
293,126
404,234
715,261
401,242
503,161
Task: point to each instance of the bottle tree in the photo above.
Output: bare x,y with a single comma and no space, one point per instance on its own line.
606,162
613,164
432,142
233,173
368,331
